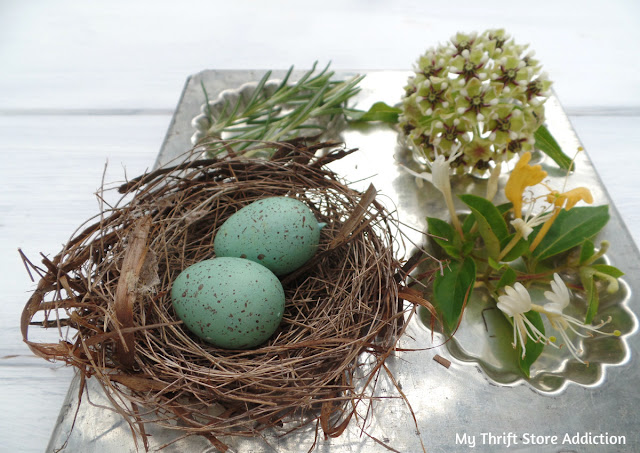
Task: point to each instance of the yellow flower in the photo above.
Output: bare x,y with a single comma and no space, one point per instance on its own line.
569,199
565,200
522,176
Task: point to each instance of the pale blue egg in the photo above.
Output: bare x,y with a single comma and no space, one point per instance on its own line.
229,302
280,233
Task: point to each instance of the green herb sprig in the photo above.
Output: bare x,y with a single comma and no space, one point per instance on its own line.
288,110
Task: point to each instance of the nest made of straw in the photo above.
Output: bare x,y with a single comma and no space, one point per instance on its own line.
107,293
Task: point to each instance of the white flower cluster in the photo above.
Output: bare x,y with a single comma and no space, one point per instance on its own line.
516,302
483,94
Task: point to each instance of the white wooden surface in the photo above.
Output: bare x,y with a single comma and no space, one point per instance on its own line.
83,83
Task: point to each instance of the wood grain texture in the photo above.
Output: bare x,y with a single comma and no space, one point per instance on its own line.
70,55
613,143
51,168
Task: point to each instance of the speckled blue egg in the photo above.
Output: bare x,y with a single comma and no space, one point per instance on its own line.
280,233
232,303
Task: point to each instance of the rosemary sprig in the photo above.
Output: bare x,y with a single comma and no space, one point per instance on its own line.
286,112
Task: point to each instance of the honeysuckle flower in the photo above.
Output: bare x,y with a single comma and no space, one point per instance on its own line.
559,299
569,199
522,228
440,178
565,200
525,226
522,176
441,170
515,303
419,177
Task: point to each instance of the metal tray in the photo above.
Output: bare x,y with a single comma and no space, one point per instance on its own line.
472,404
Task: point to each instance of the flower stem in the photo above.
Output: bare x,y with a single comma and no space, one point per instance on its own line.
510,245
452,210
544,230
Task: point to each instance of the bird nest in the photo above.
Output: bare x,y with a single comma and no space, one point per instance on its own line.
106,295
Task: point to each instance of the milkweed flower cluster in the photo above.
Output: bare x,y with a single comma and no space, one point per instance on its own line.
480,93
516,302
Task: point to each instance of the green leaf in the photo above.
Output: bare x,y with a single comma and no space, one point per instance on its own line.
587,251
572,228
378,112
504,207
491,224
443,234
488,211
532,349
608,270
548,145
593,300
452,288
508,278
495,264
468,223
467,247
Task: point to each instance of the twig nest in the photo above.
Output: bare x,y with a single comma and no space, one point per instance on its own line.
107,294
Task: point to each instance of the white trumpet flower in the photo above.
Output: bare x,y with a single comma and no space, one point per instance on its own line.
525,226
515,303
559,298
